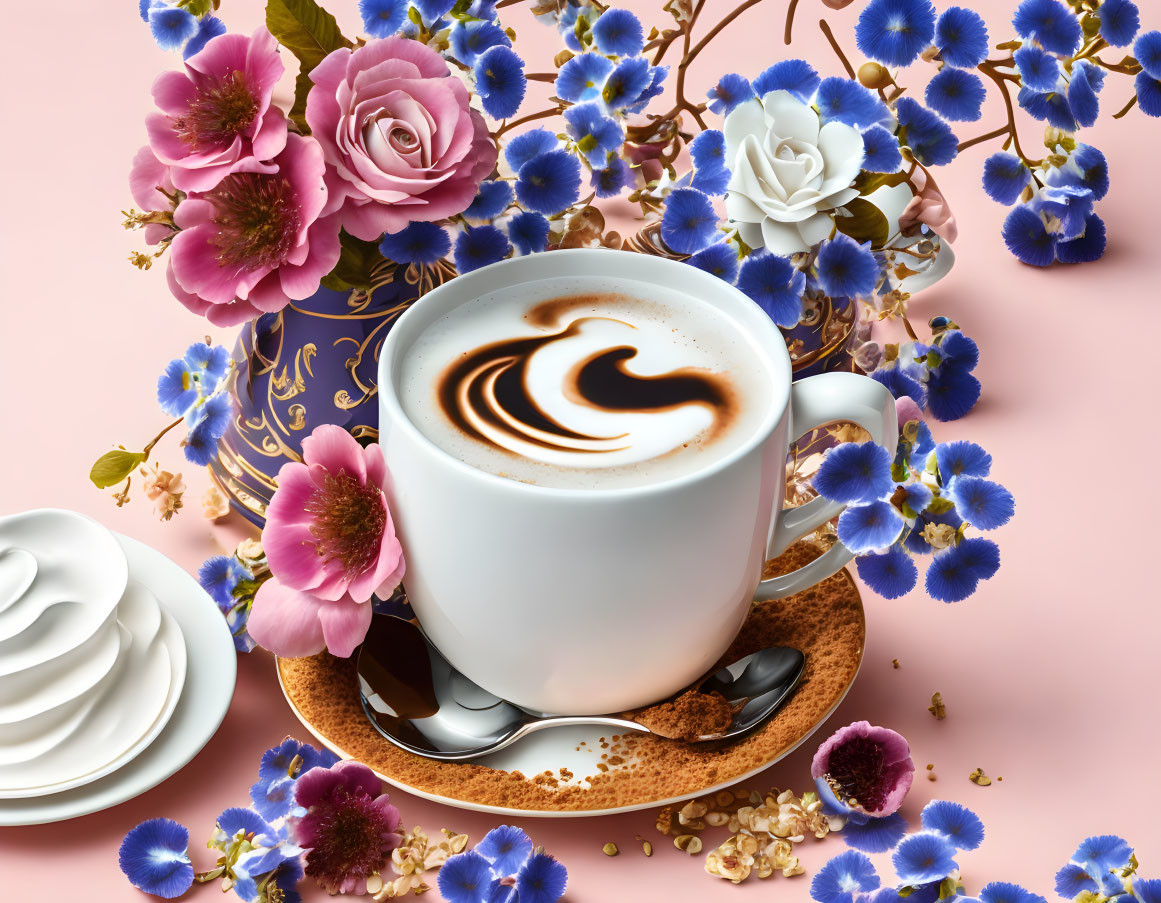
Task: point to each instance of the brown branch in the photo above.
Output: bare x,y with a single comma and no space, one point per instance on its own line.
713,32
1003,130
1125,110
531,117
988,68
835,47
786,35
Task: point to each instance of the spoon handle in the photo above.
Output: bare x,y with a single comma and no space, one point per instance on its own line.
577,721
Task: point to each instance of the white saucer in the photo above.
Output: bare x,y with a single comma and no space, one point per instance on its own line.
209,687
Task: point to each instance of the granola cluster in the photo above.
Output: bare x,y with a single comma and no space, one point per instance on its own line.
415,862
763,830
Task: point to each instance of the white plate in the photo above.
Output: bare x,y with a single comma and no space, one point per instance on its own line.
209,687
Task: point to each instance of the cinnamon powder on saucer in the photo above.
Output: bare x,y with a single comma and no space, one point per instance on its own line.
825,622
691,715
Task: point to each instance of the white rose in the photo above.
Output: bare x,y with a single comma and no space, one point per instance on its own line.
789,172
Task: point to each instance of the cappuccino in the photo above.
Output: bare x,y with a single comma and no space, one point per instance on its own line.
587,389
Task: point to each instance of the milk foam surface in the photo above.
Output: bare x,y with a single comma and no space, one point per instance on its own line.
585,386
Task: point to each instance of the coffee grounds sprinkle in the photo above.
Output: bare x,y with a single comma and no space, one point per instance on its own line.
825,622
689,716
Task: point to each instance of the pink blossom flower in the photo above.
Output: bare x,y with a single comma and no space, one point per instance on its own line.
401,143
257,239
349,827
330,544
217,113
153,191
863,770
930,208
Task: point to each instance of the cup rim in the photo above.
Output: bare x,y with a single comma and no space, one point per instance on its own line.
554,264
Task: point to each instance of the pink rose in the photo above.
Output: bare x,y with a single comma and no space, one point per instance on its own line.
257,240
401,143
330,543
930,208
217,113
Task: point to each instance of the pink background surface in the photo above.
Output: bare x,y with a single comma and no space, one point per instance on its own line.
1049,672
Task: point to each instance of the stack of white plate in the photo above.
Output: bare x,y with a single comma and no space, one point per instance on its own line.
115,667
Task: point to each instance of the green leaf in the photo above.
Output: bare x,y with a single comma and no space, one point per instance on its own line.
869,182
357,261
305,29
866,222
302,86
112,467
940,505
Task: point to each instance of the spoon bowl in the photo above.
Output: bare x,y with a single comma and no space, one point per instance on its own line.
419,702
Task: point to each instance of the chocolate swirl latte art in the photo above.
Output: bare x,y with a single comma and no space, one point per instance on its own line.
587,389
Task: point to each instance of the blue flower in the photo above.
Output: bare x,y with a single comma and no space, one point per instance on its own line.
492,198
210,361
419,243
891,574
1148,891
956,348
171,26
923,447
924,857
956,94
583,77
895,32
431,10
627,82
1065,207
796,76
955,822
273,799
1005,177
143,7
731,90
1027,237
775,285
917,496
854,472
1051,107
612,178
656,78
382,18
527,145
881,150
844,878
479,246
541,880
1147,50
1073,880
1102,853
952,391
500,81
844,100
961,458
549,182
689,222
210,423
962,37
1120,20
177,389
1038,70
1148,94
846,268
154,858
467,878
209,27
506,848
1049,22
276,761
929,137
954,573
1003,892
470,39
721,260
1083,87
900,383
865,528
619,33
596,135
1086,168
1088,247
708,153
878,835
219,575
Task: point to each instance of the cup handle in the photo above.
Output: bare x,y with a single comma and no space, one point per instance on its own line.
814,402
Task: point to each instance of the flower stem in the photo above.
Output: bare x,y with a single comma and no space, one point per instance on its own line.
531,117
1125,110
910,329
787,36
996,133
822,23
157,438
988,68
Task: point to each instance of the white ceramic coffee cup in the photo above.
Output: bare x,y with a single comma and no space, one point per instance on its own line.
575,601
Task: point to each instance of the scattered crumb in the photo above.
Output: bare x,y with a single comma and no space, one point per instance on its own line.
937,708
978,777
565,774
895,663
999,779
610,849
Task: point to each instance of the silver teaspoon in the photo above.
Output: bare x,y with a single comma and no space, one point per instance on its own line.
419,702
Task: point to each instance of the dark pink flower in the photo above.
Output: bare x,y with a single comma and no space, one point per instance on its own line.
257,239
401,143
349,826
864,769
153,191
217,113
330,543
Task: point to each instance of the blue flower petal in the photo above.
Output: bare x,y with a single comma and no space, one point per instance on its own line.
619,33
629,79
854,472
1027,237
845,100
846,268
1073,880
924,857
981,502
956,348
528,231
689,222
492,199
1148,891
1051,23
962,458
775,285
506,848
866,528
480,246
929,137
1088,247
955,822
154,858
420,243
467,878
1086,168
952,391
900,384
730,91
890,574
1120,20
895,32
1147,50
876,835
382,18
1082,94
171,26
708,153
1148,94
583,77
527,145
219,575
720,259
1038,69
956,94
948,579
1005,177
1103,852
595,134
881,150
500,81
962,37
469,39
918,496
844,878
209,27
609,181
177,390
1003,892
796,76
549,182
542,880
